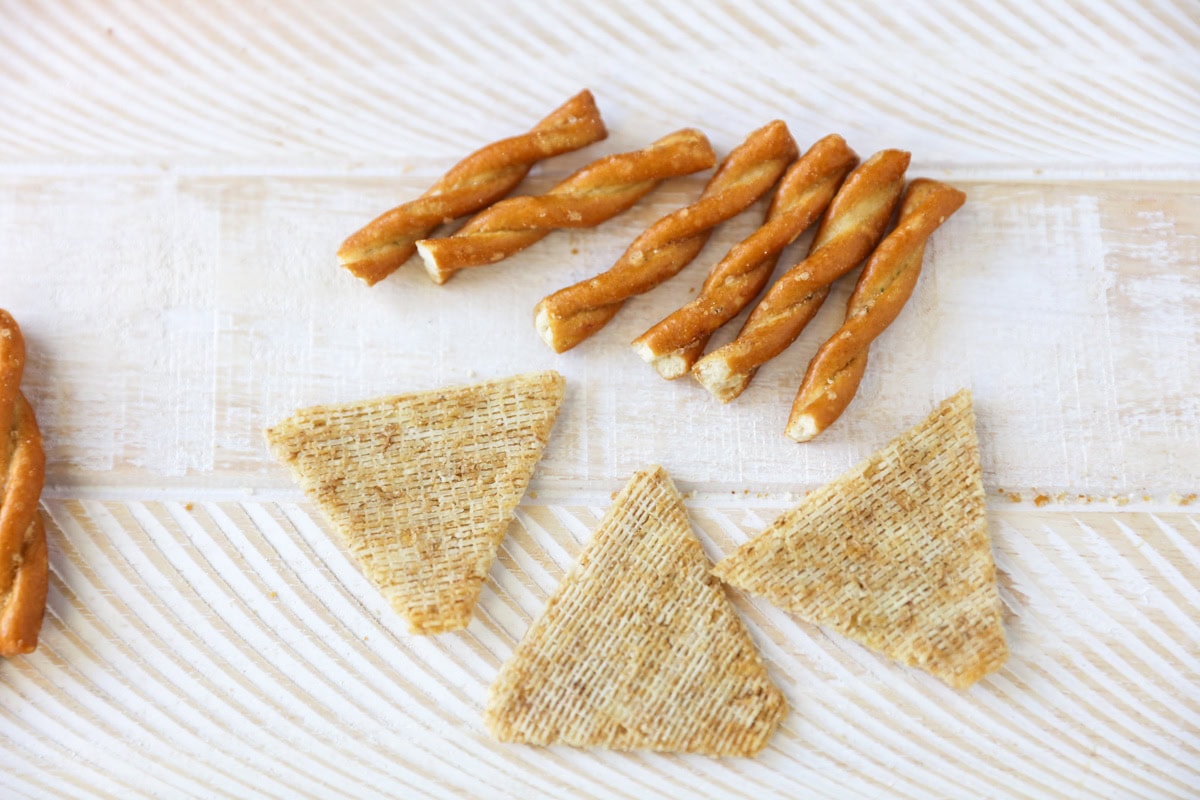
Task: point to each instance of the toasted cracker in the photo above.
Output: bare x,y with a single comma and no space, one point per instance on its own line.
894,554
421,487
639,648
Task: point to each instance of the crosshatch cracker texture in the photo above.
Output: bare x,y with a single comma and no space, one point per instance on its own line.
894,554
639,648
422,487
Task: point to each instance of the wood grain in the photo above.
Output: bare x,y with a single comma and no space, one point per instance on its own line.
241,630
174,183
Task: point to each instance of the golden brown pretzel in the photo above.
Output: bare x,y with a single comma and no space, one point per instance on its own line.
852,226
23,568
884,287
594,194
674,344
570,315
480,179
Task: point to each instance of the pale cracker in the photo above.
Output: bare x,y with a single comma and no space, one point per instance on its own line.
422,487
894,554
639,648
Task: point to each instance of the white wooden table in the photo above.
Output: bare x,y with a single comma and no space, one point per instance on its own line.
173,185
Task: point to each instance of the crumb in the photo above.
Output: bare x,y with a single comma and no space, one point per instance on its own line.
532,495
1121,500
188,507
1014,497
574,251
1145,498
1185,500
272,595
1041,500
612,496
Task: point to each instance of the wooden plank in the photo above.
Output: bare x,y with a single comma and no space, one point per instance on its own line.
1068,308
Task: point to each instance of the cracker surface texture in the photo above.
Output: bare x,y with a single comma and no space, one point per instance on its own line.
639,648
422,487
895,554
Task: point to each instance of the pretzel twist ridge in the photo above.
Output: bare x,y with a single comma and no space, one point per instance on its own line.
852,226
594,194
567,317
480,179
884,287
24,571
674,344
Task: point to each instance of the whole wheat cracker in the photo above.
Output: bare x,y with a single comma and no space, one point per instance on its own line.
639,648
422,487
894,554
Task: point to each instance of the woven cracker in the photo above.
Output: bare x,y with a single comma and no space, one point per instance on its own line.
422,487
639,648
894,554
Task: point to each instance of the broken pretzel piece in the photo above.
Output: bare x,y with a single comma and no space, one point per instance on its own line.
24,571
480,179
852,226
886,283
677,342
593,195
570,315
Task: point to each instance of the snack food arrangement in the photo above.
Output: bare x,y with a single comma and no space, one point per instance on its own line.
640,646
854,203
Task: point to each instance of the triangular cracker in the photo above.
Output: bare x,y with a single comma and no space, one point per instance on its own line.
894,554
639,648
422,487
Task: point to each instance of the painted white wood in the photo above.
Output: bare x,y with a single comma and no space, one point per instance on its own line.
173,185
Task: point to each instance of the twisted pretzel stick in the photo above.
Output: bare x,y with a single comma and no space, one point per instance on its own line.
674,344
23,568
596,193
480,179
852,226
884,287
567,317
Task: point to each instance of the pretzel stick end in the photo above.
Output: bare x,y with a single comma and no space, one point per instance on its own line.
714,374
428,250
541,321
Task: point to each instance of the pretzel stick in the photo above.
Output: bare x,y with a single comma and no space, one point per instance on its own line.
567,317
852,226
884,287
673,345
591,196
480,179
23,568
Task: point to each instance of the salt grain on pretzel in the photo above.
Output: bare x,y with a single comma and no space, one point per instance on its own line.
884,287
852,226
674,344
480,179
594,194
567,317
